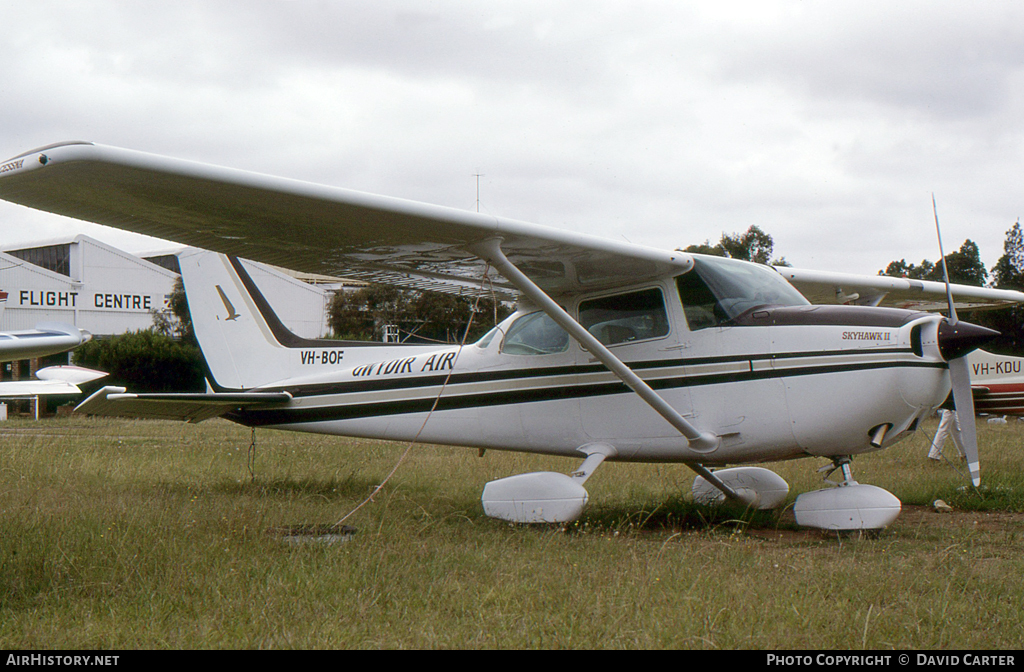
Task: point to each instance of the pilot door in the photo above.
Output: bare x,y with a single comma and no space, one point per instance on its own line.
637,327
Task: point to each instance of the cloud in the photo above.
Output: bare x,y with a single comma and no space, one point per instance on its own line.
827,125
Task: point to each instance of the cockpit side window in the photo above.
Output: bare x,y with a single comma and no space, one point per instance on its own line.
535,334
624,318
699,305
717,291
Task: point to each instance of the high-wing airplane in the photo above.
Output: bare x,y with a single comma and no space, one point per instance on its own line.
48,338
616,351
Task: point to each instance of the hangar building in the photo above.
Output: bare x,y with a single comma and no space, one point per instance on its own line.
82,282
107,291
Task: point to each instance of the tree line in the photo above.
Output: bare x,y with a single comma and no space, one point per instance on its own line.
419,316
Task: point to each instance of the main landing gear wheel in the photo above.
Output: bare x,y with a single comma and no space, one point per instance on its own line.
544,496
757,487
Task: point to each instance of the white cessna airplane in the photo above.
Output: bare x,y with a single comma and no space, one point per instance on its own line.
616,351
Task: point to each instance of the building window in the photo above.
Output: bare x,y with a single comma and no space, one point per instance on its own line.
56,258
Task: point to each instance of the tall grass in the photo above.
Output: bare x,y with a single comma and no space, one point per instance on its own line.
131,534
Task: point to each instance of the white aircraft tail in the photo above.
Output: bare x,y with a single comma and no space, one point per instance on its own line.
243,341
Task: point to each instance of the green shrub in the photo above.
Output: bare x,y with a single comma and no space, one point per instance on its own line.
145,361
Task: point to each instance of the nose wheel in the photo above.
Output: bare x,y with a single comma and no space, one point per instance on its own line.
846,505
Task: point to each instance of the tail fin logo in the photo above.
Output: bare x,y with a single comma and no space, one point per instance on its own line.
232,315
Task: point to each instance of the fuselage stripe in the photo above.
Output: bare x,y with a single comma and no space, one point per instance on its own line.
393,383
307,412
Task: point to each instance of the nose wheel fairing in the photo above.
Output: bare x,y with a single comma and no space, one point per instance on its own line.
848,505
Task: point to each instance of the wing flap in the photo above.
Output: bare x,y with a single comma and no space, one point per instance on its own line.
189,407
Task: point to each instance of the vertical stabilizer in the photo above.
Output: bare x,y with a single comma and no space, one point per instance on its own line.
244,342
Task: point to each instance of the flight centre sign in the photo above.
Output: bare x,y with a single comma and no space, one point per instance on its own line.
114,301
111,306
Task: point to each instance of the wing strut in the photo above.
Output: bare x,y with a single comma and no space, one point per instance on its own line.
490,251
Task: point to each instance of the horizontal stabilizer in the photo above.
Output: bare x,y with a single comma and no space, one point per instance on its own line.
187,406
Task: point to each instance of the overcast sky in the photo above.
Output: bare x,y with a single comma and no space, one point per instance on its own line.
827,124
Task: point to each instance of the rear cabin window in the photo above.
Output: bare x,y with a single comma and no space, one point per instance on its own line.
486,339
624,318
535,334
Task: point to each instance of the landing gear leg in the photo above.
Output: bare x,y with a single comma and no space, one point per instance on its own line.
841,464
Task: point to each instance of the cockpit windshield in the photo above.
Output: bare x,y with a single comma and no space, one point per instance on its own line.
718,290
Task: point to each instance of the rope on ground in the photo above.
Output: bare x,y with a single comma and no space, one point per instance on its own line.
469,324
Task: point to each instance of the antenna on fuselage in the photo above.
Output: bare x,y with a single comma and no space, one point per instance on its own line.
478,176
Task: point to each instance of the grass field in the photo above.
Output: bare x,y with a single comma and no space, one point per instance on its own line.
142,534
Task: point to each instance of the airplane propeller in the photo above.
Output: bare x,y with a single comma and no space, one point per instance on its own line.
956,340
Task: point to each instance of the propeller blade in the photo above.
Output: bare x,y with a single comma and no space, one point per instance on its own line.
945,271
956,339
963,400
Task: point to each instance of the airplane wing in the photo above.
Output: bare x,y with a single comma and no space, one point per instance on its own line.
315,228
47,338
11,389
825,287
190,407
